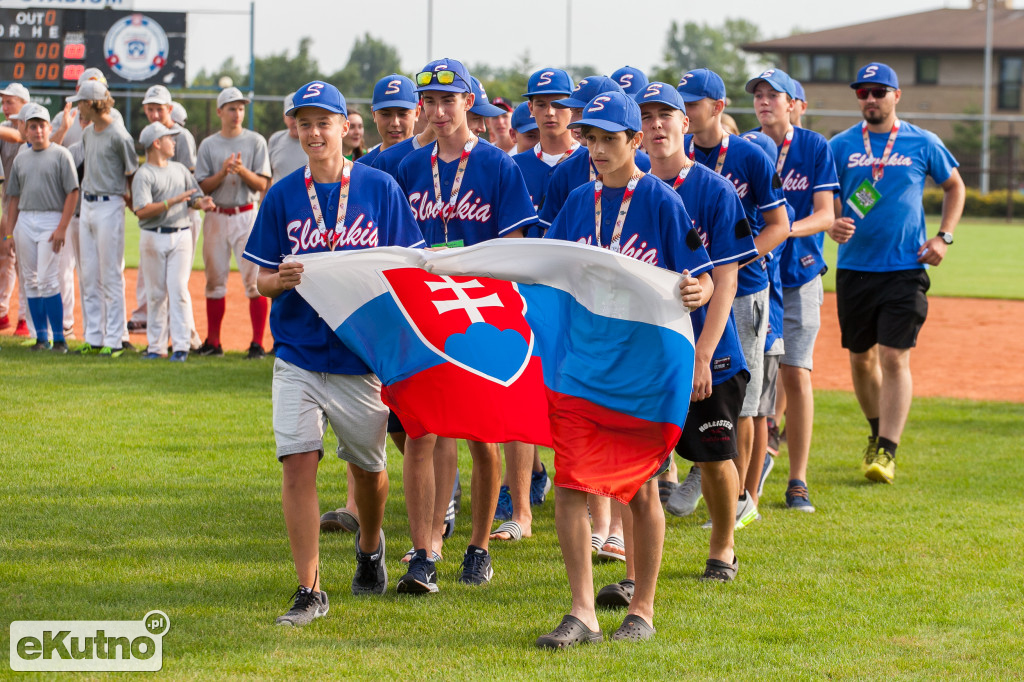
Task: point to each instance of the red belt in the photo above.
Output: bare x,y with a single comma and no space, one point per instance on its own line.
233,210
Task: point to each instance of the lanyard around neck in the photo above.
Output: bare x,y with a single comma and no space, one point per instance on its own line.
339,226
620,219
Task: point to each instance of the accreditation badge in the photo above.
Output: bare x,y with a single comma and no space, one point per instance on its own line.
450,245
864,198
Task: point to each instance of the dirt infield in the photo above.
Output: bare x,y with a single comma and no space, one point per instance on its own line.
968,347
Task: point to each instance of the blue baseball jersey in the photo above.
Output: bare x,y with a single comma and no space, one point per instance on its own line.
657,229
721,222
391,158
759,188
493,200
369,157
775,311
809,168
377,215
888,237
575,171
537,174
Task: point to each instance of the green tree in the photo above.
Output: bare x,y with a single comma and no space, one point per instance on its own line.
369,61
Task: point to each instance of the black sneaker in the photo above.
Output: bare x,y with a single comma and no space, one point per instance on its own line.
60,347
256,352
209,350
40,345
476,567
371,574
421,577
308,606
136,326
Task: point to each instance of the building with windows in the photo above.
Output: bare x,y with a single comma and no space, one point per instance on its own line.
939,56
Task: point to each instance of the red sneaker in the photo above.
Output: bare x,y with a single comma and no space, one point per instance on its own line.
21,329
5,322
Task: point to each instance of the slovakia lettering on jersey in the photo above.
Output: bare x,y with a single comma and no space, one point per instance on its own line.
809,168
719,218
377,215
759,189
575,171
888,237
657,230
493,199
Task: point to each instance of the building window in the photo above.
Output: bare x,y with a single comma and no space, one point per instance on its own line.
845,70
823,68
800,66
1010,72
927,71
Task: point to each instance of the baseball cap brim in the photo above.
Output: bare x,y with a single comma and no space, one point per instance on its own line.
690,97
317,105
487,110
775,85
569,103
534,93
527,127
608,126
661,100
398,103
444,88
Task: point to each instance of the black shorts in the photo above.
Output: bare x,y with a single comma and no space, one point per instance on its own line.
709,434
881,307
394,425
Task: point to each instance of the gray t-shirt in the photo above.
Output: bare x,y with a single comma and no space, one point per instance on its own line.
216,148
109,159
155,183
8,150
286,155
76,129
43,179
185,148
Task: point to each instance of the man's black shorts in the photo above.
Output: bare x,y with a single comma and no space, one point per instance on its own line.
394,425
709,434
881,307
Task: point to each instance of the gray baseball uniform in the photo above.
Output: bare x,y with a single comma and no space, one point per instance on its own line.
109,158
216,148
286,155
43,179
154,183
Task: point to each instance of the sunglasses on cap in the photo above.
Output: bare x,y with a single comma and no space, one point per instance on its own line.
877,93
424,78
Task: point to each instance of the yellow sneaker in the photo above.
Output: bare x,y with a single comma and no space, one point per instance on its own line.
883,469
870,453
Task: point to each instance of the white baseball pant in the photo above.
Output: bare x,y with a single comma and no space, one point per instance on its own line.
101,240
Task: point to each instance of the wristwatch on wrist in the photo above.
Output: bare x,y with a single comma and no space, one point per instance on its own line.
946,237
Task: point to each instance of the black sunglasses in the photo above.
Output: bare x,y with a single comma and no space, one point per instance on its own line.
877,93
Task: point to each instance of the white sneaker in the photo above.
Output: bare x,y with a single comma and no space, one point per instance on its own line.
746,513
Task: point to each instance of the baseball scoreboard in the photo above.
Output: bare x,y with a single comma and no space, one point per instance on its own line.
41,46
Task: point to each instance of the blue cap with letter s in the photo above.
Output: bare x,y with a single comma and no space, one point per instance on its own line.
876,73
701,84
549,81
661,93
778,79
522,120
611,111
320,95
394,91
586,90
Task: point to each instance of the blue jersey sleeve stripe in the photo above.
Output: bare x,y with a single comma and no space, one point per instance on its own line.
418,245
827,185
772,205
259,261
527,220
752,253
702,269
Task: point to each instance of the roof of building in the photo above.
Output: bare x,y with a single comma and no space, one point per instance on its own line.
942,30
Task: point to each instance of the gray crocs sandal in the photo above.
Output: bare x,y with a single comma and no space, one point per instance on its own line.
510,528
570,632
633,629
616,596
719,571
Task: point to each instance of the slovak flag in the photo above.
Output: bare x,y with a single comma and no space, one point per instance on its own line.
543,341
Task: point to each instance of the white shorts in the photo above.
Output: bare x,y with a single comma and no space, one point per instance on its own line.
751,314
305,402
801,320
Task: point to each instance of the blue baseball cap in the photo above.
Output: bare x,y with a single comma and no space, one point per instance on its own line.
461,83
799,88
778,79
701,84
631,79
394,91
320,95
662,93
549,81
481,107
522,120
586,90
876,73
611,111
766,143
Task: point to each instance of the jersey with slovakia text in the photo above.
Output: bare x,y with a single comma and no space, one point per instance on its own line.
391,158
537,172
492,200
753,176
719,219
809,168
377,215
888,237
657,229
775,308
570,175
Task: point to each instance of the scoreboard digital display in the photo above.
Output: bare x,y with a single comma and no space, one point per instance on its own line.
51,47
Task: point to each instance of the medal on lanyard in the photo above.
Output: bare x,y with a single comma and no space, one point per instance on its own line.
338,234
566,155
866,196
681,178
620,219
722,151
446,211
784,152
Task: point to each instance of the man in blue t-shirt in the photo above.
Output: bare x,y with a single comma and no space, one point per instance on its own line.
807,170
330,204
881,276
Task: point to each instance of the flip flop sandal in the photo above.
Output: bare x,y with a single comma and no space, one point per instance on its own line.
633,629
613,549
616,596
339,520
596,542
720,571
412,552
570,632
510,528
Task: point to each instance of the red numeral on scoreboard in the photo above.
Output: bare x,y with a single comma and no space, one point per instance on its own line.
19,71
74,51
53,51
19,50
73,71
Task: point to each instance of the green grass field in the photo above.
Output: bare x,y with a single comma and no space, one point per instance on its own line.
129,486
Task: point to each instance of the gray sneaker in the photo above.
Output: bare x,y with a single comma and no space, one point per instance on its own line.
308,606
746,511
684,499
